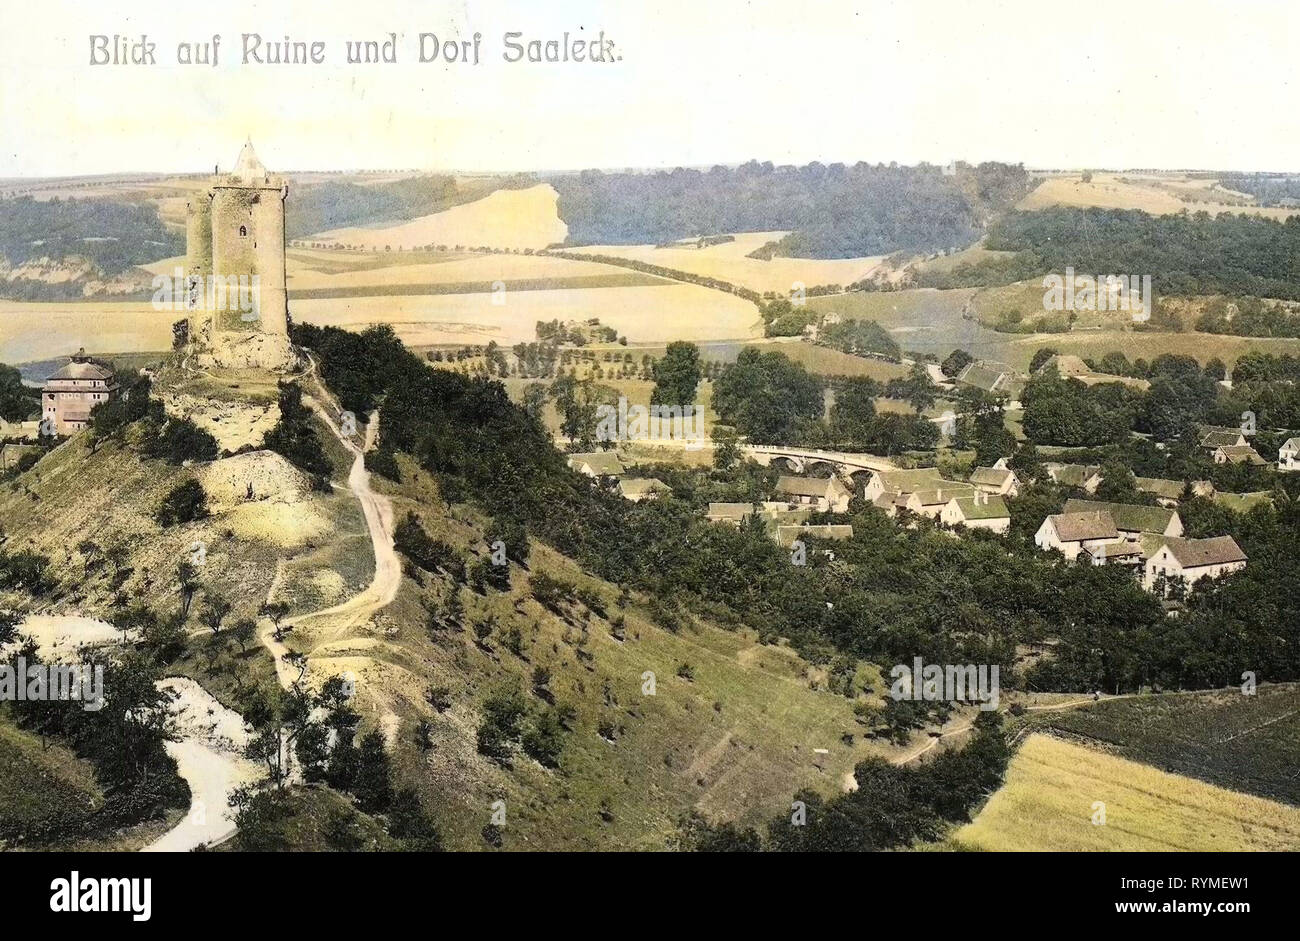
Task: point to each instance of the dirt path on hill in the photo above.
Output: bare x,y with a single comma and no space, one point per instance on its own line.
210,757
330,624
378,511
209,751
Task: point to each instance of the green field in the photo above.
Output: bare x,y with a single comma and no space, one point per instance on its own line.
920,321
967,256
929,321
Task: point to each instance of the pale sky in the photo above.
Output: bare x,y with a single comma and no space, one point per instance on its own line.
1113,83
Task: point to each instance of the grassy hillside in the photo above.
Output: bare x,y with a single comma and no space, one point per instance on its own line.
39,785
317,820
732,729
47,789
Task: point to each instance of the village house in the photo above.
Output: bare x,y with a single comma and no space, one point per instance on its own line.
891,503
637,489
931,502
1070,533
73,390
734,513
902,482
1214,437
1288,456
824,493
993,378
979,510
1170,492
1190,560
999,480
1237,454
596,464
923,491
729,512
1132,520
1085,477
1122,552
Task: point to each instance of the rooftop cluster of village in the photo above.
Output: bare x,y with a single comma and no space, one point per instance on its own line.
1148,539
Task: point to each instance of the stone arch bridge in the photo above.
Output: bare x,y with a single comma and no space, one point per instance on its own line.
844,463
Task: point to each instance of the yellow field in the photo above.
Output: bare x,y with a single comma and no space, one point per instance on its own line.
644,309
523,218
728,262
321,270
44,331
1155,195
643,314
1047,803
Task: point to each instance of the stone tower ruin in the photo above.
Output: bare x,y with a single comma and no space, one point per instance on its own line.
235,268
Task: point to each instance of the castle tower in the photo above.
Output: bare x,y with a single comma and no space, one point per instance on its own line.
235,264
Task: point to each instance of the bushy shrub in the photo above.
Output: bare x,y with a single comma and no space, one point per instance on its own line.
186,502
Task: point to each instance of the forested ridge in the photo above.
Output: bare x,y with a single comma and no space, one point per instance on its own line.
1188,253
834,211
112,235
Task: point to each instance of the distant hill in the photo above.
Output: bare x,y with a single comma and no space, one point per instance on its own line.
834,211
1271,189
112,236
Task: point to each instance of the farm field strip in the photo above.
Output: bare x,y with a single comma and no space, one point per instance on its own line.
522,218
1054,791
1247,743
478,287
729,261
